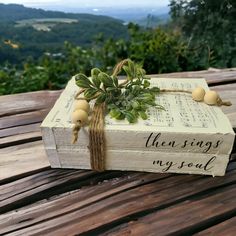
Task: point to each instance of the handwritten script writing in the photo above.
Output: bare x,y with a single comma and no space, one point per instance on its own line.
206,165
155,140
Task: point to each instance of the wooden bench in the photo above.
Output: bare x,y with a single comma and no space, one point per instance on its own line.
35,199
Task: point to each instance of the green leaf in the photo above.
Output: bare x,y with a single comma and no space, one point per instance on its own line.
89,93
135,104
96,81
115,80
114,113
121,116
136,90
101,98
145,96
95,72
130,117
82,81
143,115
146,84
128,72
105,79
155,89
132,68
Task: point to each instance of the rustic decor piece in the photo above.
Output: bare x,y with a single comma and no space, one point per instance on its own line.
186,137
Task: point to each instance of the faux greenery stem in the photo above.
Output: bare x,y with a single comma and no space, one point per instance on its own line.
129,99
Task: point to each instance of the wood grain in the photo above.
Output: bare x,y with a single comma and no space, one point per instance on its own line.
26,102
20,193
22,158
23,118
227,92
77,199
119,207
20,139
227,227
212,75
23,129
186,217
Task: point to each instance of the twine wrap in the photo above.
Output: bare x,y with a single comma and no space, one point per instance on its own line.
97,142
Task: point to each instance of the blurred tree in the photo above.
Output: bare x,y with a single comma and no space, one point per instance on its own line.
208,25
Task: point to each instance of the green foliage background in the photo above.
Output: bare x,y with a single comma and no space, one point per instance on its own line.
201,34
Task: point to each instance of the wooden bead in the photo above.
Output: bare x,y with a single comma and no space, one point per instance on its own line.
79,117
198,94
82,105
211,97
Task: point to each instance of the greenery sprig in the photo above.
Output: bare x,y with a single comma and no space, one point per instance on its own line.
127,100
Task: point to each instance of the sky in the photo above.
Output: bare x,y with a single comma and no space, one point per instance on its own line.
89,3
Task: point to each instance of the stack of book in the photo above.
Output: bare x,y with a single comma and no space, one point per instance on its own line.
187,137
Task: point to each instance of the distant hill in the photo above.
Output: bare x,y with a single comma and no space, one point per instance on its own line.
35,31
15,12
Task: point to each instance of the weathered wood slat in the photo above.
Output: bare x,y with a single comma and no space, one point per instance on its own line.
22,158
184,218
20,139
20,193
23,118
28,183
77,199
26,102
85,216
227,92
227,228
23,129
213,76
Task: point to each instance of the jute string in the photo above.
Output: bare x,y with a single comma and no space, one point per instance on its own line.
75,135
97,142
219,101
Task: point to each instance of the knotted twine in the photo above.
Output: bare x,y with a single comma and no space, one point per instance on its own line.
97,141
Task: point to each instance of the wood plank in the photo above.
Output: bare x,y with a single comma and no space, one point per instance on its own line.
73,217
25,102
23,129
213,76
45,184
23,158
184,218
227,227
20,139
23,118
98,183
227,92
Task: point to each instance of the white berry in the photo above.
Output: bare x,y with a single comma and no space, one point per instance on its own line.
211,97
79,117
198,94
82,104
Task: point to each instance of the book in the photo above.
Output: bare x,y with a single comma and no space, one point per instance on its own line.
186,132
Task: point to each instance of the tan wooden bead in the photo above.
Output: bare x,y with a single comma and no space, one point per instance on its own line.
211,97
82,105
198,94
79,117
